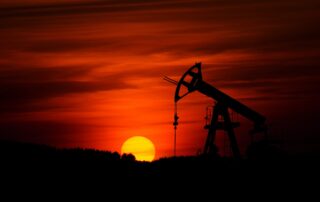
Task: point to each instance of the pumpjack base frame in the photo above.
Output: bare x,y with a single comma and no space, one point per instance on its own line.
227,125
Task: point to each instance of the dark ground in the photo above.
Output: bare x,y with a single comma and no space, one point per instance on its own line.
39,167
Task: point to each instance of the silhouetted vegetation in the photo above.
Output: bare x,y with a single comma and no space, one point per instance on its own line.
29,160
26,152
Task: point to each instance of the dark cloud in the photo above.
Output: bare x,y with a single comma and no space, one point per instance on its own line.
270,81
60,45
22,73
82,7
90,7
263,26
29,91
13,94
22,89
15,107
44,132
248,71
217,12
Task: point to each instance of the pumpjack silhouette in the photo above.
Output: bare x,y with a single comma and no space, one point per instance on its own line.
220,117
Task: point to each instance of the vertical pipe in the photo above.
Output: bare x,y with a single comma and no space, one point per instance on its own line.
175,123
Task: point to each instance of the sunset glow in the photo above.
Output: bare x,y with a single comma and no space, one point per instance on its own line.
88,73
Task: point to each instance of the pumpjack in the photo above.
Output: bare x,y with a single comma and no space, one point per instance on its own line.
192,81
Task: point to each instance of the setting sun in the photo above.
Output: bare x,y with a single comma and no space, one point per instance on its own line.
142,148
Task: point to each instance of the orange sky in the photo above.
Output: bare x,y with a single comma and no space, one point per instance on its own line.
80,73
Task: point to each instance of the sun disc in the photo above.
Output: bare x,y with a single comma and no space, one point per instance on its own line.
141,147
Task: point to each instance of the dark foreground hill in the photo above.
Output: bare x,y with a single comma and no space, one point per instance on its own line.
25,164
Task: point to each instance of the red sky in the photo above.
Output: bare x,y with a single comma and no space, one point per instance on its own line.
80,73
